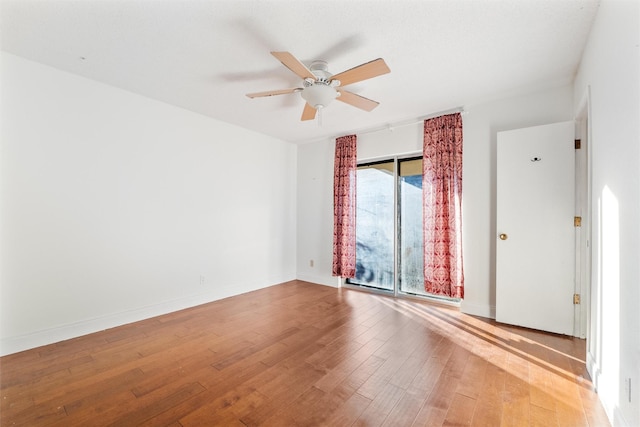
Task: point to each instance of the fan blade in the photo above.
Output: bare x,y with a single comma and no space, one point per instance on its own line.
274,92
292,63
309,113
364,71
357,100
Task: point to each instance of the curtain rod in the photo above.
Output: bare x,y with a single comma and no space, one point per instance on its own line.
391,126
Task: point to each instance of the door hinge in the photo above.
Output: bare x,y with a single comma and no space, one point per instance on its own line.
577,144
577,221
576,299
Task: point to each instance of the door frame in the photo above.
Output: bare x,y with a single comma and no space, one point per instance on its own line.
584,252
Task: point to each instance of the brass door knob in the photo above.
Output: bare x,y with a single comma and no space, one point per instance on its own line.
503,236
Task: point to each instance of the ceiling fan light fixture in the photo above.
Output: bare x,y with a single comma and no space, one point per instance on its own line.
319,95
320,87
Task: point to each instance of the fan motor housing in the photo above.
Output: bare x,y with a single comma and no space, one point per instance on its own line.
320,69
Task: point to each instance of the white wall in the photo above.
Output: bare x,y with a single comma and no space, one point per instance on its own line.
114,205
480,122
315,212
315,195
481,126
611,69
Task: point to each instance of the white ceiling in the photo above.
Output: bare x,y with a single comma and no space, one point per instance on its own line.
205,56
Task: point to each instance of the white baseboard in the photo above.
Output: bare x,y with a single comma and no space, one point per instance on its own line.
613,411
19,343
321,280
618,418
488,311
593,369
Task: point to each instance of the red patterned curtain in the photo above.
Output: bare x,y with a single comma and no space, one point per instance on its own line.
344,207
442,202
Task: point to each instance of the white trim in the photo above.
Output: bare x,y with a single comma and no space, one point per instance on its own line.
319,280
593,369
615,415
488,311
584,280
56,334
619,419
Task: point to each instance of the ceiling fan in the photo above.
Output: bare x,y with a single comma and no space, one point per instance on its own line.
320,87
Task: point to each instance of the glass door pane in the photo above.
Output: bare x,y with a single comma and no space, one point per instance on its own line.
410,238
375,226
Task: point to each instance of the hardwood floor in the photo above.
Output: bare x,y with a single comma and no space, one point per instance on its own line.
299,354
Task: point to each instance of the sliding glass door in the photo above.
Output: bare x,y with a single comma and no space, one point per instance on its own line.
375,216
389,226
410,237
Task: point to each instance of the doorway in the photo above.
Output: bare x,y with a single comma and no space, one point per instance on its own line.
529,261
535,256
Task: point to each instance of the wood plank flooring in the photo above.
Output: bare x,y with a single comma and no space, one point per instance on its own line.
299,354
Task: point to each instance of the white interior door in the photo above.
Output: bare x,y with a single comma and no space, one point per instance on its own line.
535,227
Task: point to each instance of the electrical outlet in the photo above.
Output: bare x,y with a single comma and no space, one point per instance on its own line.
201,279
310,263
